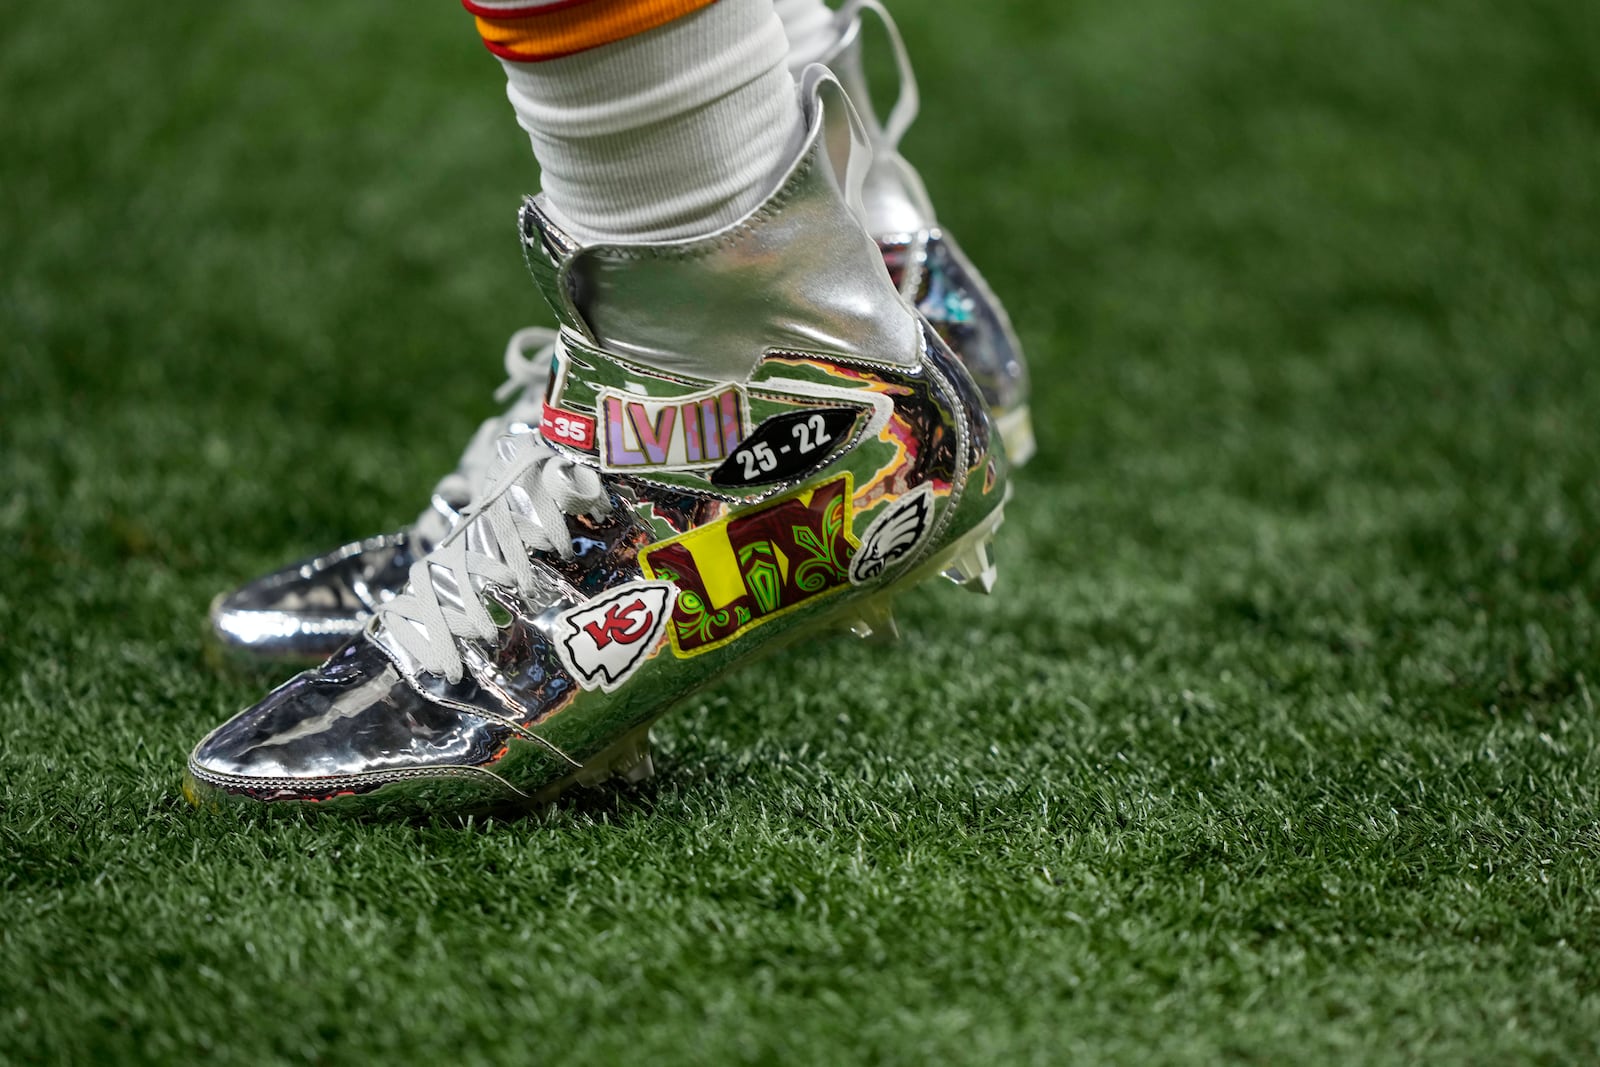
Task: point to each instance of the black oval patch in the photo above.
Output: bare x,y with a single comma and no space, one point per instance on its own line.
786,446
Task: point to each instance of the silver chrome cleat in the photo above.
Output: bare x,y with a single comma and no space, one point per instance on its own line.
730,486
305,611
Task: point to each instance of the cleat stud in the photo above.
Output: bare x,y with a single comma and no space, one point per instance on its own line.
973,568
633,752
876,621
643,769
590,775
627,758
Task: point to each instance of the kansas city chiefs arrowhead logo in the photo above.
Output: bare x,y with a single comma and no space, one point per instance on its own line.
604,640
894,535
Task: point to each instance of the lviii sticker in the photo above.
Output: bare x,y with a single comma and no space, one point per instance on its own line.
683,433
755,565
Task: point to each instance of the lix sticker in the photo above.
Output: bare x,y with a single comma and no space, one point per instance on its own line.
755,565
894,535
604,640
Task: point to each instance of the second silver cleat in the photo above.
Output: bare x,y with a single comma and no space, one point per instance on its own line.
924,261
306,610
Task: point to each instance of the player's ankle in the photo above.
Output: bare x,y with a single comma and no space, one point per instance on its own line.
670,134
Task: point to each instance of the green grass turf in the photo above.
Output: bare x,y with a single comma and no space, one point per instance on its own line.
1278,740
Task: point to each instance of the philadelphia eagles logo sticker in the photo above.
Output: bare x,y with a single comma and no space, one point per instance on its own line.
894,535
603,641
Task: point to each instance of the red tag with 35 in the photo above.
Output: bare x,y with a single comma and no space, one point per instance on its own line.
567,428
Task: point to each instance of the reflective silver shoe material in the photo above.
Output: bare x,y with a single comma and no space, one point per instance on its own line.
924,262
811,280
304,611
603,550
307,609
346,730
688,524
930,271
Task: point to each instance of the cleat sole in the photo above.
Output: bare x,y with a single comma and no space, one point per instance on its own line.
629,758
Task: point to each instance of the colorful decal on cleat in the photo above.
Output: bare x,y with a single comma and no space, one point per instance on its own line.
678,433
785,447
567,427
756,564
604,640
894,535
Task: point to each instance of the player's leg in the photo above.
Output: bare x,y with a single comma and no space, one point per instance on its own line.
749,438
655,134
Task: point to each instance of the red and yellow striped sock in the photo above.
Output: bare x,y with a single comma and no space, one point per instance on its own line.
526,32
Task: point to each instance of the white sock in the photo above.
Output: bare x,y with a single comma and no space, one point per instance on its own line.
673,133
809,26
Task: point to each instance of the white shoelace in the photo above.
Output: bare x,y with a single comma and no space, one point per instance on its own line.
530,491
909,100
527,363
